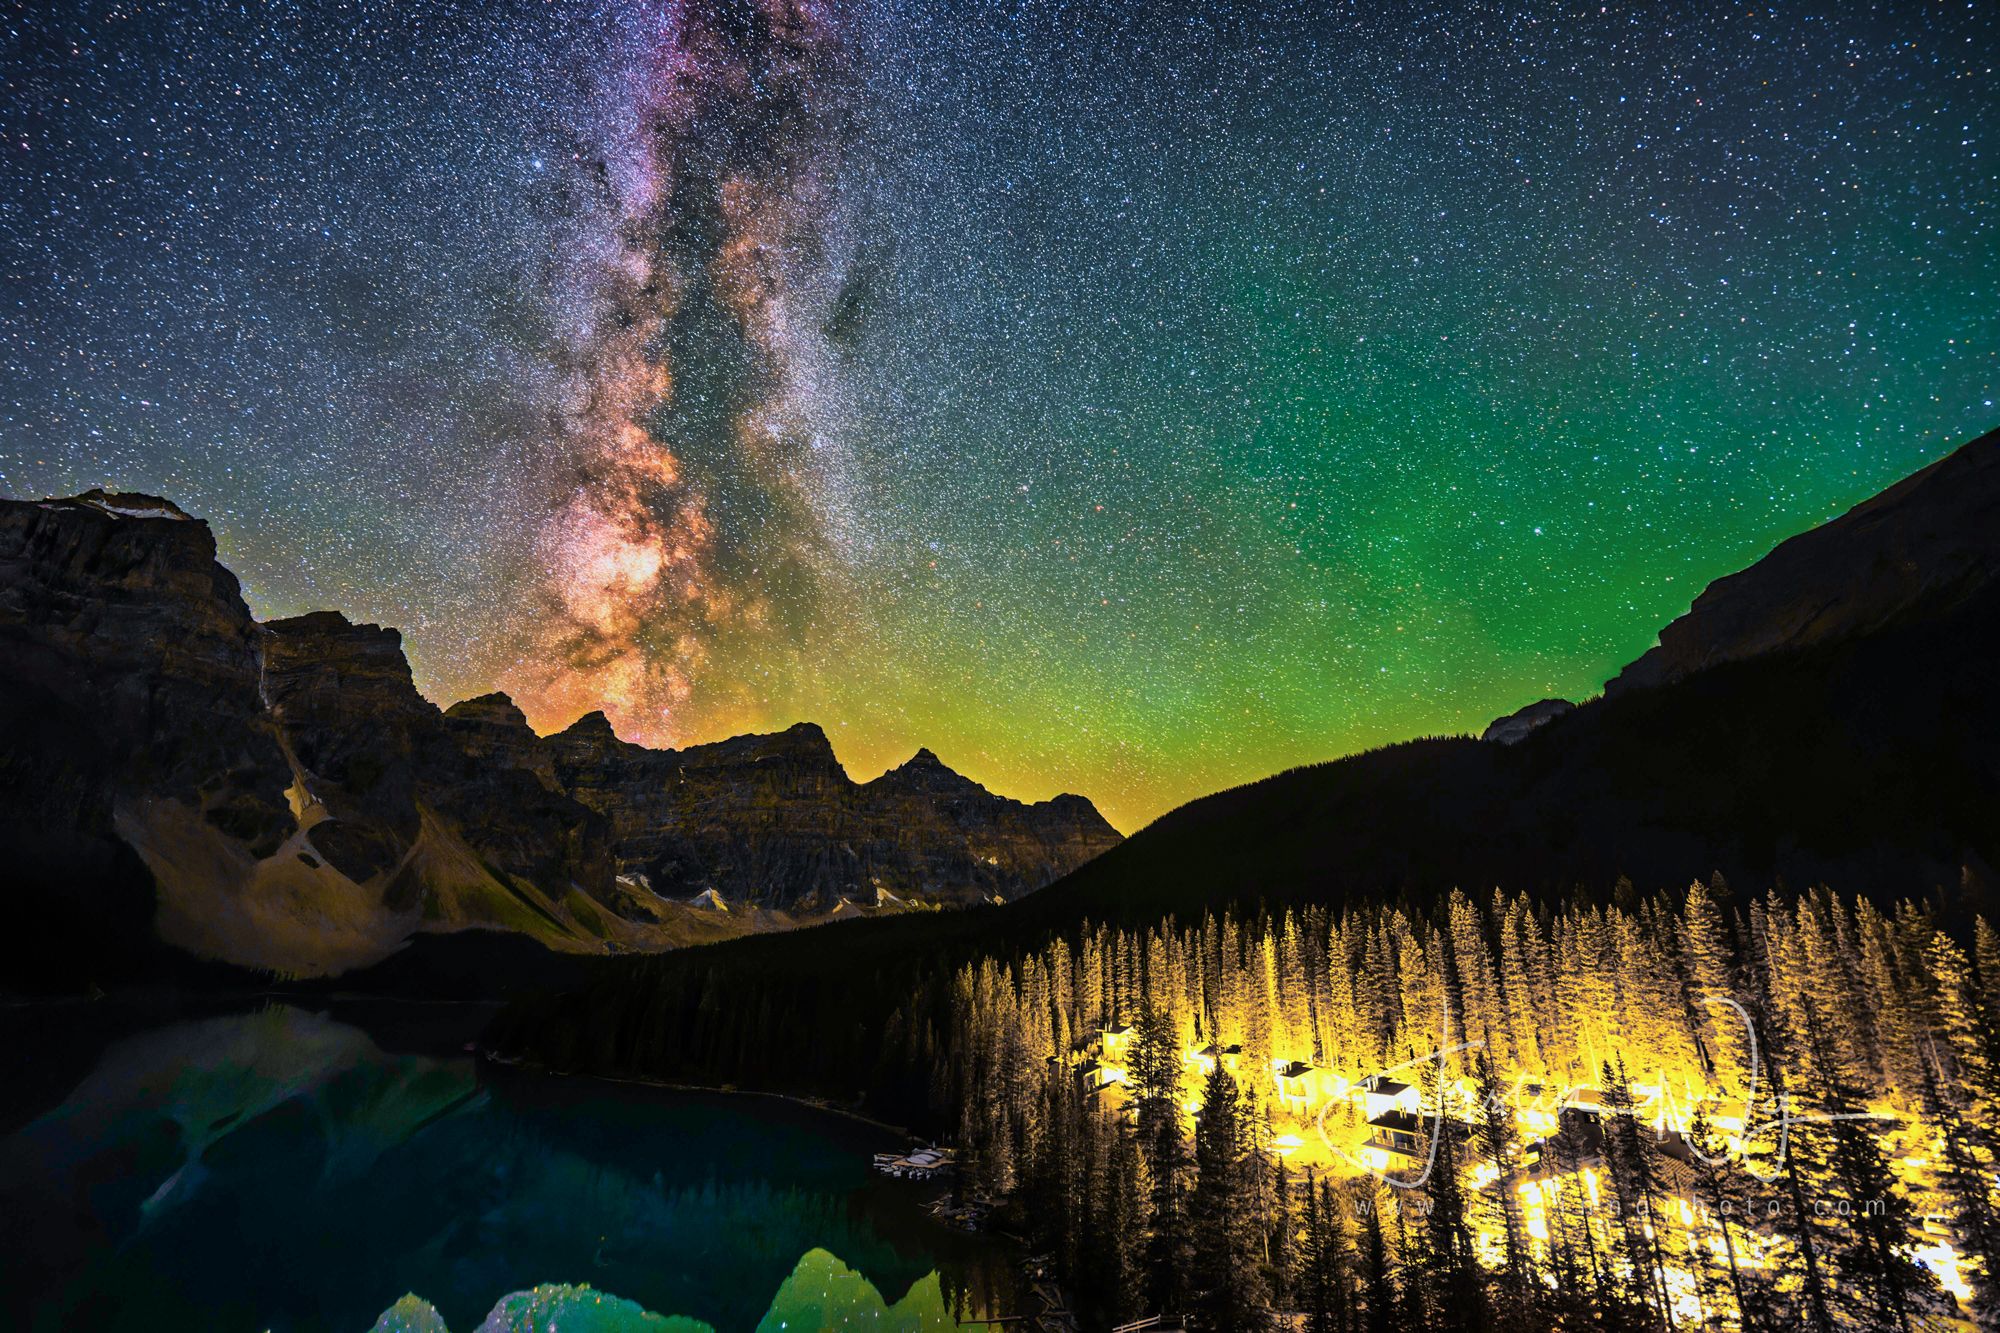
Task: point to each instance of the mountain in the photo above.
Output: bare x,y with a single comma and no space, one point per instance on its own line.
1852,746
1829,714
1516,726
775,820
278,796
1921,549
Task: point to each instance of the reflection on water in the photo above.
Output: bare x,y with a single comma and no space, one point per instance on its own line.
821,1293
279,1170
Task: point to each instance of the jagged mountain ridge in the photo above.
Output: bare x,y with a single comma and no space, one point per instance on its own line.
1919,549
1861,756
775,818
1826,715
280,796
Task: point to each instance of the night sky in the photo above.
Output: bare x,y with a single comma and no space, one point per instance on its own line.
1132,399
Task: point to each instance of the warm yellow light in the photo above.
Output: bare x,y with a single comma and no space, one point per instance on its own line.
1942,1259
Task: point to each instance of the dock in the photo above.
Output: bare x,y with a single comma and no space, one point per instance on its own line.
924,1164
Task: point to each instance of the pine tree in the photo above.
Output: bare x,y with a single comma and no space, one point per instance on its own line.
1872,1215
1426,1019
1899,1048
1312,1293
1378,1283
1796,1150
1454,1285
1322,1287
1712,970
1281,1237
1525,1017
1986,953
1382,1011
1519,1285
1480,1019
1231,999
1092,1011
1294,1024
1968,1181
1634,1184
1156,1087
1716,1200
1340,1024
1262,1030
1831,980
1227,1244
1122,1266
1788,1150
1961,1017
1056,1176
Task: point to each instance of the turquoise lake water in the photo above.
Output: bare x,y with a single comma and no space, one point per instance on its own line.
284,1169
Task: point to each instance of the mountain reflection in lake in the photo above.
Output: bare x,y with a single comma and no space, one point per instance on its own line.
280,1170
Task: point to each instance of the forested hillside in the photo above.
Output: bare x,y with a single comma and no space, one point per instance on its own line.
1566,1112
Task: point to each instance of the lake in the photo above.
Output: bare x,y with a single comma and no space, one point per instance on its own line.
296,1170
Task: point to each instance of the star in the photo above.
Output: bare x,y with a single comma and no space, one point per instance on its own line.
923,370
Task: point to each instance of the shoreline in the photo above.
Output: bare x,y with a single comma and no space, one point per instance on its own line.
175,999
663,1085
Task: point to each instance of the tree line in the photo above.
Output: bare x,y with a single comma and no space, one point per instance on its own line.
1863,1031
1143,1207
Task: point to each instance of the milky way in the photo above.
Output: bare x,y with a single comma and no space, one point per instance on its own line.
692,533
1128,399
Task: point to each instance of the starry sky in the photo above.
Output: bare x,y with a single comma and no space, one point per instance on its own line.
1126,399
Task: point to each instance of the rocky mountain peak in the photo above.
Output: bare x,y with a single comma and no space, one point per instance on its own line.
325,646
328,627
926,773
1514,728
1073,805
496,709
1924,546
800,757
592,726
492,729
805,738
287,799
131,504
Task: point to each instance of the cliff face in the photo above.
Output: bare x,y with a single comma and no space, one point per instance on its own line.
122,634
999,844
1921,549
492,730
281,796
382,758
128,680
775,821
